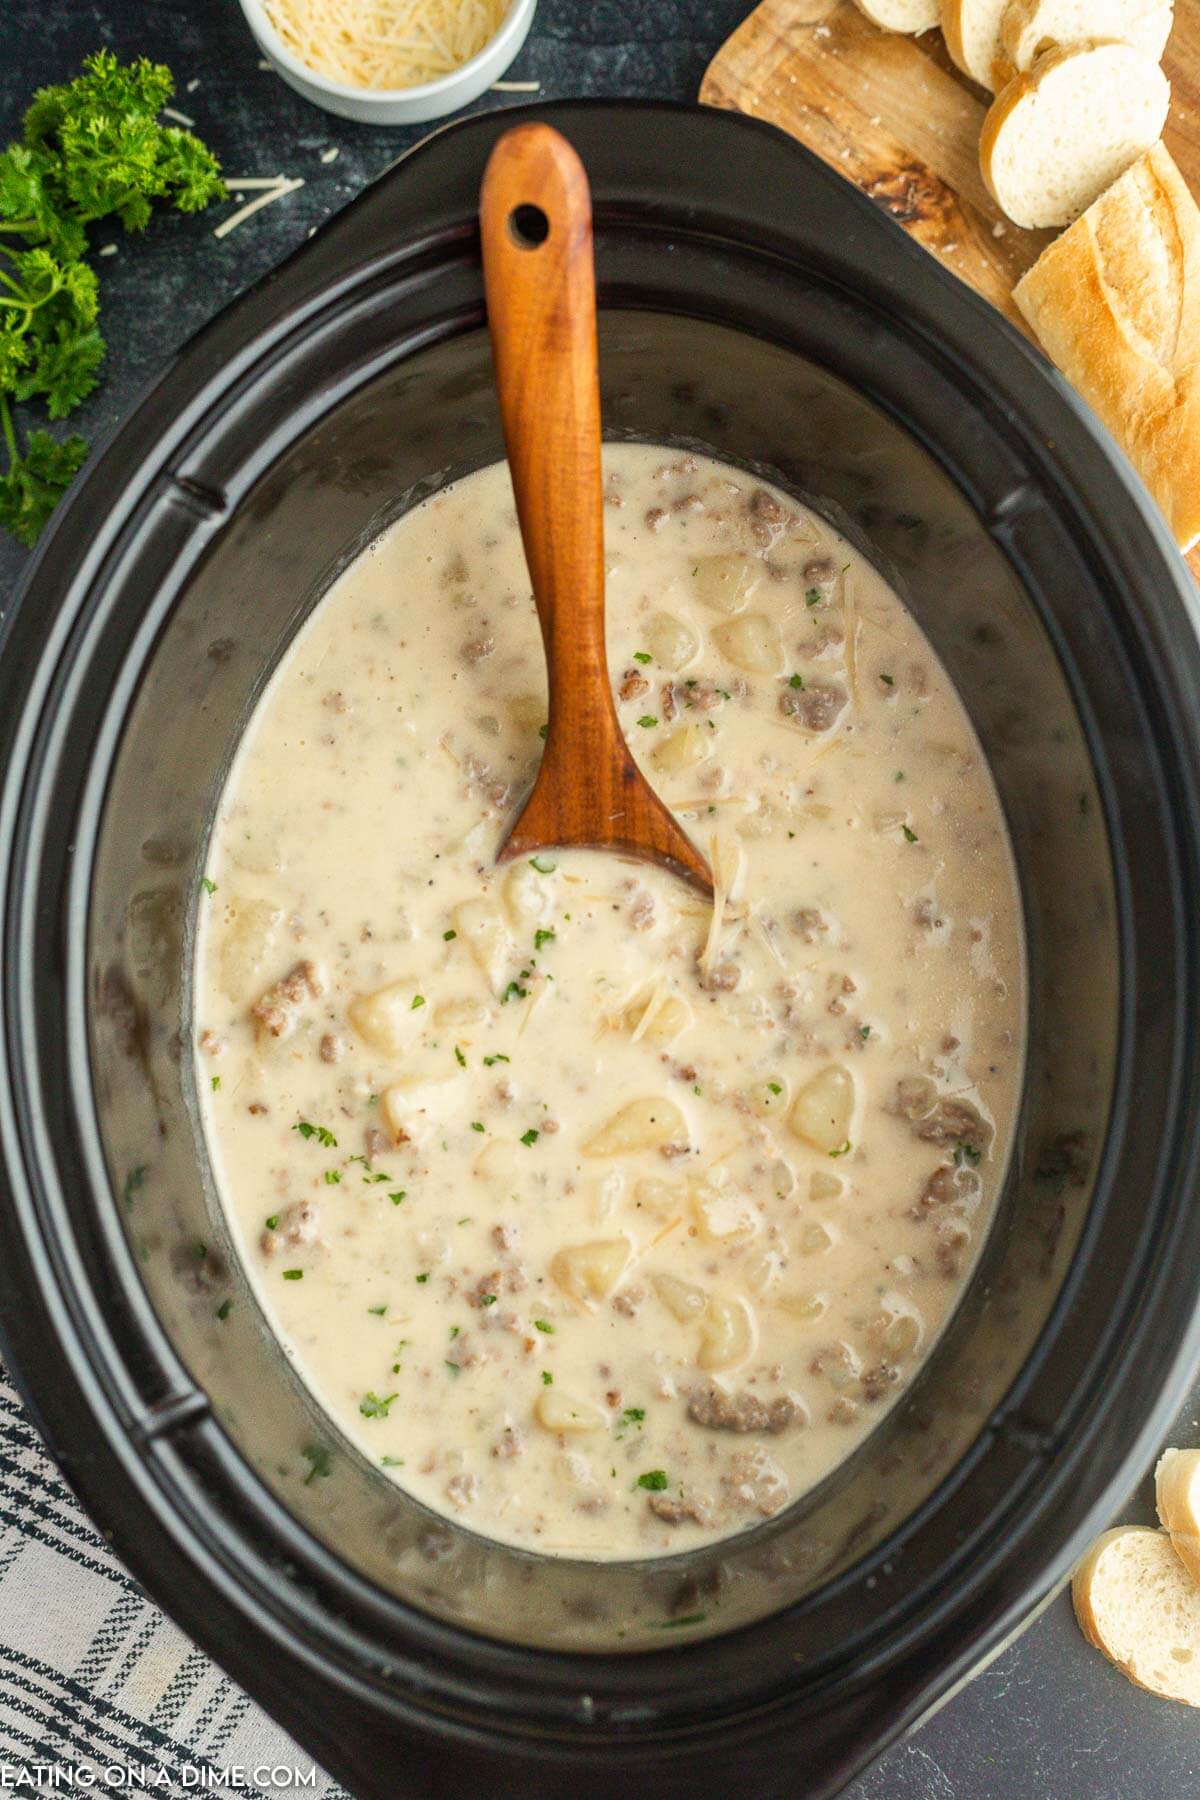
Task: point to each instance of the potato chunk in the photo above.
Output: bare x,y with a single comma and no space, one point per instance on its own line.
723,1215
408,1108
528,895
682,1298
663,1199
672,642
686,746
751,642
639,1125
250,934
480,925
590,1272
823,1109
390,1019
728,1333
557,1410
726,582
659,1023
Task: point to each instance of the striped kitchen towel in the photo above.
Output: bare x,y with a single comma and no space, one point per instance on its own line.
99,1692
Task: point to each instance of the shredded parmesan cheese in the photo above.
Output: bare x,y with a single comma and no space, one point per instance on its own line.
385,43
272,189
724,882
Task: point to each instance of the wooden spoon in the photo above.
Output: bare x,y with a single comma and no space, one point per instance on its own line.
535,216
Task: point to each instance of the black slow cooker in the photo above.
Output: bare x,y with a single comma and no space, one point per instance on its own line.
753,306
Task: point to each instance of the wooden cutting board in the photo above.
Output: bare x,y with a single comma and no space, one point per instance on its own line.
897,118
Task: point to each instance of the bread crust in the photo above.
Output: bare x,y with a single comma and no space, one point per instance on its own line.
1115,302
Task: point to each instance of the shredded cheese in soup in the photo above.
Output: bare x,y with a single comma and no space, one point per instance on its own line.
603,1219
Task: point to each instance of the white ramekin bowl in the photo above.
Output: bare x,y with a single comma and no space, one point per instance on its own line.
396,106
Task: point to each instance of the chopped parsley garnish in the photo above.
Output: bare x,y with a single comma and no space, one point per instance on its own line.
417,1000
547,1378
454,1331
543,868
216,1083
377,1312
544,1325
543,732
544,935
530,1137
422,1279
453,1367
478,1125
391,1462
293,1274
965,1153
332,1177
398,1197
272,1221
375,1406
888,680
514,991
654,1481
448,937
642,656
842,1149
488,1299
210,887
634,1415
319,1460
489,1060
322,1134
796,681
910,836
224,1310
775,1087
899,775
647,721
813,596
459,1058
674,1624
864,1032
376,1178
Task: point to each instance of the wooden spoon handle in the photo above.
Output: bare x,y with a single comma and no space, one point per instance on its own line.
536,224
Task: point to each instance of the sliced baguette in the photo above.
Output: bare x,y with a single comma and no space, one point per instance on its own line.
1063,131
1137,1603
1031,27
1115,302
971,29
1177,1493
909,16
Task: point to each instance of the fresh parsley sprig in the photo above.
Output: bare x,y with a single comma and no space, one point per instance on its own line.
90,149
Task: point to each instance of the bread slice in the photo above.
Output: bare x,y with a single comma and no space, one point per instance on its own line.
1063,131
1115,302
909,16
1177,1493
1030,27
1137,1603
971,29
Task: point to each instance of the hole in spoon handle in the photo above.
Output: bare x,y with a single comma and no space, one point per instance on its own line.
528,226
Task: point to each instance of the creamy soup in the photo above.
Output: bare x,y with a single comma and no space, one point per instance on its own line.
601,1218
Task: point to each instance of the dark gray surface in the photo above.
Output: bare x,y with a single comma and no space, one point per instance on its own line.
1049,1718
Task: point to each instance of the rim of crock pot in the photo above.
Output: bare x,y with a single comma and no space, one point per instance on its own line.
122,1404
